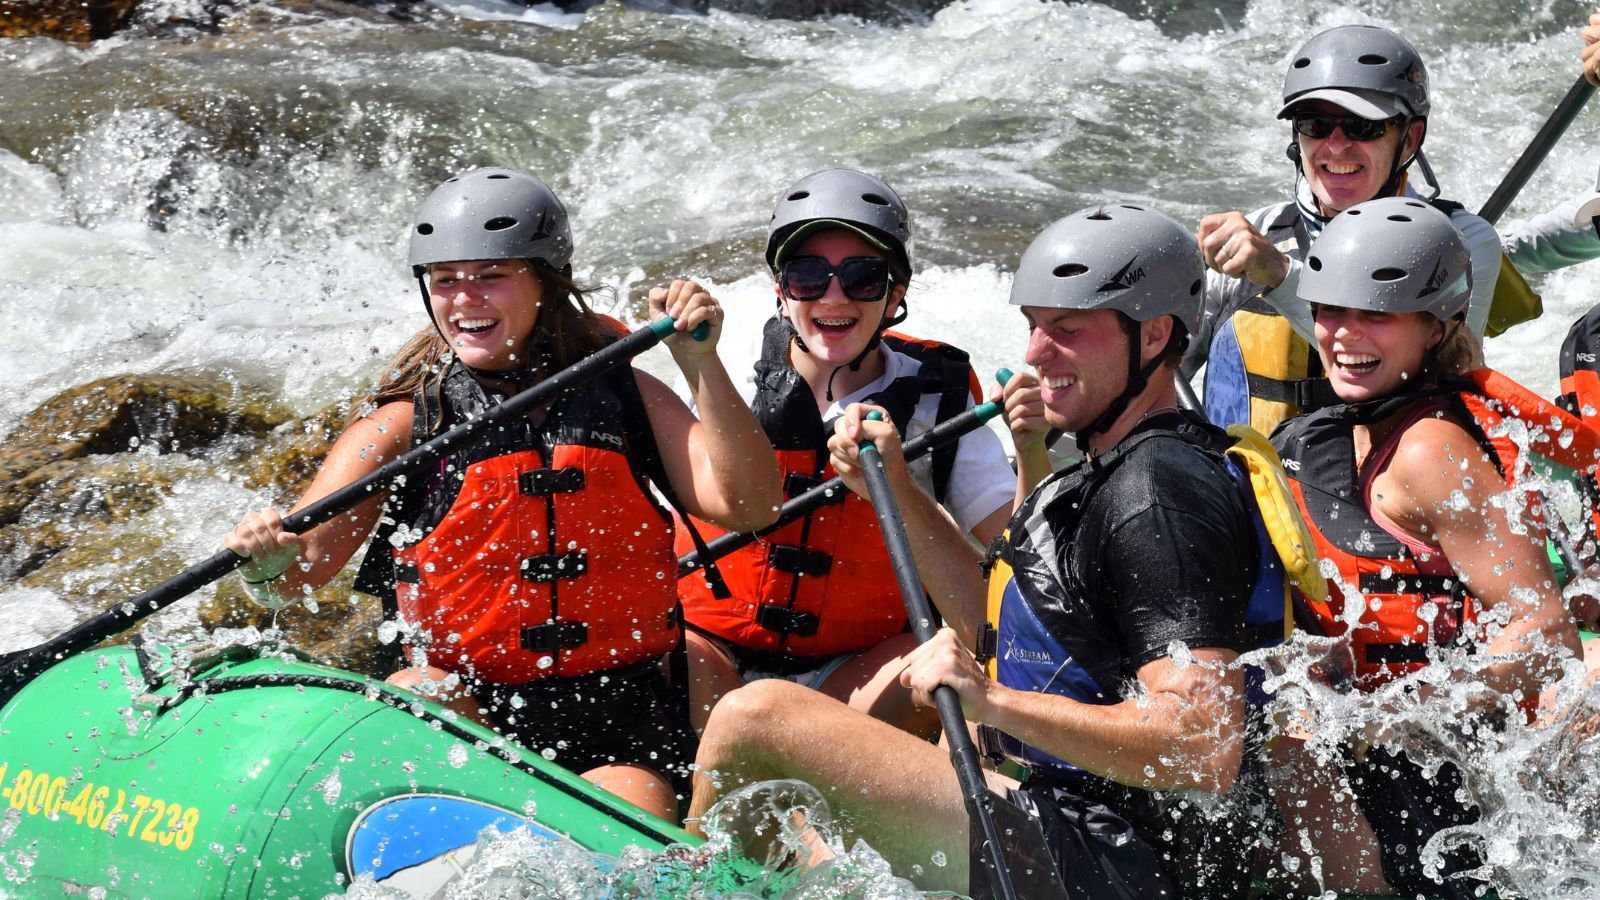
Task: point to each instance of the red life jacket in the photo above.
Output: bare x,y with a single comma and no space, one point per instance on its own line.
538,551
1319,458
823,584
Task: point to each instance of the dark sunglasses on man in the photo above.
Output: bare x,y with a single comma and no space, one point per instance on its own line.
1318,126
862,278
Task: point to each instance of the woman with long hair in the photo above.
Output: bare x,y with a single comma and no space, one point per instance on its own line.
531,573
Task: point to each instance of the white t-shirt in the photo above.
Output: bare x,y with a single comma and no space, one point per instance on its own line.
981,481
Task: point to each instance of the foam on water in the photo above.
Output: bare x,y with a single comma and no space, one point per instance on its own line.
239,202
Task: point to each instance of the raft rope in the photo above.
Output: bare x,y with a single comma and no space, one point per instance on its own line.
225,683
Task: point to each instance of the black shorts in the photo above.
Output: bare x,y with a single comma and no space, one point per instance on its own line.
1406,808
628,715
1097,854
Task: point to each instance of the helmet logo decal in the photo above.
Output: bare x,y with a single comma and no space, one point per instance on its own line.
1435,281
1126,277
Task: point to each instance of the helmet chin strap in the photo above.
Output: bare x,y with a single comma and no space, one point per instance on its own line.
1376,410
520,375
854,365
1138,380
1395,184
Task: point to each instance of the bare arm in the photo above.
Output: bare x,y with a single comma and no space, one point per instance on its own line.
1498,552
1185,730
373,440
720,464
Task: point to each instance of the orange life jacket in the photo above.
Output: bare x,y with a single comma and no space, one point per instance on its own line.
1580,395
538,551
823,584
1396,628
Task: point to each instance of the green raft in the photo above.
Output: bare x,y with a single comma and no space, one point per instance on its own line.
262,777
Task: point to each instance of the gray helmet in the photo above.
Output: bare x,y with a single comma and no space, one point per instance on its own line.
1368,70
1395,255
1123,257
840,198
491,214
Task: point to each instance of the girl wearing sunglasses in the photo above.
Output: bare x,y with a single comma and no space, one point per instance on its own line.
816,601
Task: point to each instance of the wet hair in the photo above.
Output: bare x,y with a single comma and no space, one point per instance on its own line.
1460,351
565,331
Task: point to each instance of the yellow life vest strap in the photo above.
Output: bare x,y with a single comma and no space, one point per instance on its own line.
1285,525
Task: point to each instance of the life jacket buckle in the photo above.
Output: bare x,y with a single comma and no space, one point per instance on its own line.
553,566
796,484
784,620
988,643
544,482
553,636
989,744
799,560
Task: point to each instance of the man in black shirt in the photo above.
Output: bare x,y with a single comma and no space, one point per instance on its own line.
1116,608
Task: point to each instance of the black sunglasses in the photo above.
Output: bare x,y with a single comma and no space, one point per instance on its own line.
1355,128
860,277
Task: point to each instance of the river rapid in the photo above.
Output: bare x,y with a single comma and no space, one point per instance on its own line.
237,199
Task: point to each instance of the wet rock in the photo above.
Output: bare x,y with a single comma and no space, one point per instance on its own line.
78,21
165,413
722,262
288,458
98,568
342,631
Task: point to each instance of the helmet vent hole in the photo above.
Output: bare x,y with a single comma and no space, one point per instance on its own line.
1372,59
1388,274
1397,217
1134,208
498,176
875,199
1068,270
1195,288
1417,203
424,228
1099,215
1353,212
499,223
1302,62
799,195
1315,263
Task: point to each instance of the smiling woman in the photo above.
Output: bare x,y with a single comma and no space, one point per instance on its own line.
817,603
497,568
1444,546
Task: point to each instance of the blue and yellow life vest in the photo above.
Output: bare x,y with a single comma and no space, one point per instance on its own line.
1022,653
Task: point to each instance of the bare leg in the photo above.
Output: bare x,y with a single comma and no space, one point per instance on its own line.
427,681
711,674
870,683
1327,838
895,791
639,785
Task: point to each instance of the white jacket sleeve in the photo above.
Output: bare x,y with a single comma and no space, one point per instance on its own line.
1483,243
1555,239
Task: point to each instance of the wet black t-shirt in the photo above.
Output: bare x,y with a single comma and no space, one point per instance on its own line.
1121,557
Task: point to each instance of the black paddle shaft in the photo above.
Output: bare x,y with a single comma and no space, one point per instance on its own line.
1538,149
20,667
962,752
833,490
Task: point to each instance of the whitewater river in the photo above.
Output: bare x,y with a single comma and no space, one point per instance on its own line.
238,199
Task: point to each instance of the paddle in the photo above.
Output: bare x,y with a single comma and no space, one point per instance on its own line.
833,490
1538,149
17,668
962,752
